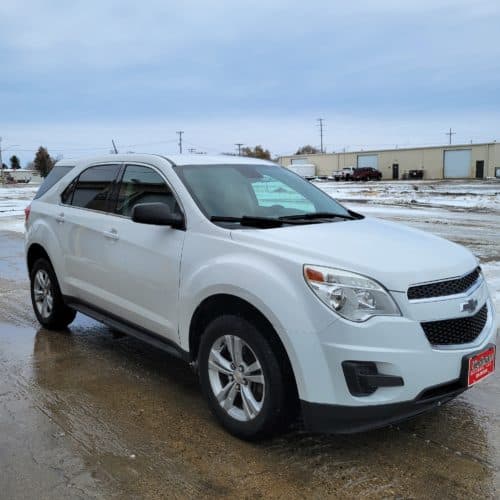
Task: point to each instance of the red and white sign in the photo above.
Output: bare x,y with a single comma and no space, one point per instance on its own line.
481,365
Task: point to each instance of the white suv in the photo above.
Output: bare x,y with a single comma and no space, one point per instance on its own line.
281,298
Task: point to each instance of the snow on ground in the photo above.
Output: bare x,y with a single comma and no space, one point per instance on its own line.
13,201
472,195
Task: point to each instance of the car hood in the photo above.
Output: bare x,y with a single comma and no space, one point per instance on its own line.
395,255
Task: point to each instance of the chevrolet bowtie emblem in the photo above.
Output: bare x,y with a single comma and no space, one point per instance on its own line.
469,306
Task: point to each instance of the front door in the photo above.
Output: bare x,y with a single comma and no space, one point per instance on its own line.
479,169
395,170
144,260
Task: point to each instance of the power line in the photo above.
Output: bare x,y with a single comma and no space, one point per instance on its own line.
114,146
5,149
180,132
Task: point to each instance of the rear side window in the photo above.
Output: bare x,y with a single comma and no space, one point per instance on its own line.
55,175
143,185
92,188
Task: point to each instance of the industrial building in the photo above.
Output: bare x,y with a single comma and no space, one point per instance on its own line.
480,161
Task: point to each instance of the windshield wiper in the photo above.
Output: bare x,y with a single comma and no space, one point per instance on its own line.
264,222
316,215
246,220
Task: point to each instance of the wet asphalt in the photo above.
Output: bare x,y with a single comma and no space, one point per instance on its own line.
85,413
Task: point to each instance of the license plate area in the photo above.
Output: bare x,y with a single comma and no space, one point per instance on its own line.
479,365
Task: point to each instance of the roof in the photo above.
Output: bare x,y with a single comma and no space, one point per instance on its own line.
373,151
214,160
181,160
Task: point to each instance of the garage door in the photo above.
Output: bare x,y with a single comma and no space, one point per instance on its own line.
457,163
368,161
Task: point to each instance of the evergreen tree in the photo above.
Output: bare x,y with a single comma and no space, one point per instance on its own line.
43,161
15,164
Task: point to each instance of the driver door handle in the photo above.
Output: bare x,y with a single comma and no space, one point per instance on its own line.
112,234
60,217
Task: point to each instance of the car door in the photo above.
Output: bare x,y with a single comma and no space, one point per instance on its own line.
83,219
142,260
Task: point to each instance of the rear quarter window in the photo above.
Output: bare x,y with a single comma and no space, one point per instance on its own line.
55,175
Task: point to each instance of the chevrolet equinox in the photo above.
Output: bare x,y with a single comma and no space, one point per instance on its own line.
283,300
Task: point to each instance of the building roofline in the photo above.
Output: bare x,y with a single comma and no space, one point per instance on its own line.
368,151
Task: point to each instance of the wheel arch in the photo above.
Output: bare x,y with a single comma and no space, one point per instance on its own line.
221,304
35,252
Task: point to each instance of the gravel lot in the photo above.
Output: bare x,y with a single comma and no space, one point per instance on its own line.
86,414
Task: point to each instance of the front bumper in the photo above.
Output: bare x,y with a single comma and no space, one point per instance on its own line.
338,419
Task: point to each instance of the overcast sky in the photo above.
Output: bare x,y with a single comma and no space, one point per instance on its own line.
76,74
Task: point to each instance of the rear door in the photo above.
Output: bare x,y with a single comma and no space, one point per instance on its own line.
143,261
84,218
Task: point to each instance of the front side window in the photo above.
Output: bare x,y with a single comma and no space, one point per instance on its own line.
93,187
141,184
254,190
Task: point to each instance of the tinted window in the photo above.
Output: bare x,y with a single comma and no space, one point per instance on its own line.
55,175
94,186
143,185
253,190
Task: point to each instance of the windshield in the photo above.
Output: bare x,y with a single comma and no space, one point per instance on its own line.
235,191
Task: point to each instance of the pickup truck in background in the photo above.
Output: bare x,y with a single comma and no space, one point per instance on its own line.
344,174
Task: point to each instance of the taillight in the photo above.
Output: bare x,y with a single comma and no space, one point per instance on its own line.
27,211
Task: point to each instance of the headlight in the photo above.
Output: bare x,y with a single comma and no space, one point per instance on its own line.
352,296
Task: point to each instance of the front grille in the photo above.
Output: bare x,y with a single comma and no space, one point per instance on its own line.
443,288
456,331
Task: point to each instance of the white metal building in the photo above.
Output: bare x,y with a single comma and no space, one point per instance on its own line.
433,162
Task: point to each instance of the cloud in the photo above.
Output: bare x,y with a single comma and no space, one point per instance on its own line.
85,63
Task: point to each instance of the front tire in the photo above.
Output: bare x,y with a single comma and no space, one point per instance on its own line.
46,297
242,378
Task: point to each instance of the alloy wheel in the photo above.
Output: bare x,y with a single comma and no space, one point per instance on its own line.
42,291
236,377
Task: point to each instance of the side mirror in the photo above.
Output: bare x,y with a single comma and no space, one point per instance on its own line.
157,214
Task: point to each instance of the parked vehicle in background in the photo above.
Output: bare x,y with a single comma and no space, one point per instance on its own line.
281,298
306,170
343,175
366,174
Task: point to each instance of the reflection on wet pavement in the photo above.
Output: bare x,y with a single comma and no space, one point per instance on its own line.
86,415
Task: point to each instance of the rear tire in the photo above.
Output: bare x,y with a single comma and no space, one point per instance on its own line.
243,379
46,297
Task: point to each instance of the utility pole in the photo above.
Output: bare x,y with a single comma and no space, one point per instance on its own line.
238,145
320,120
180,132
114,146
450,133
